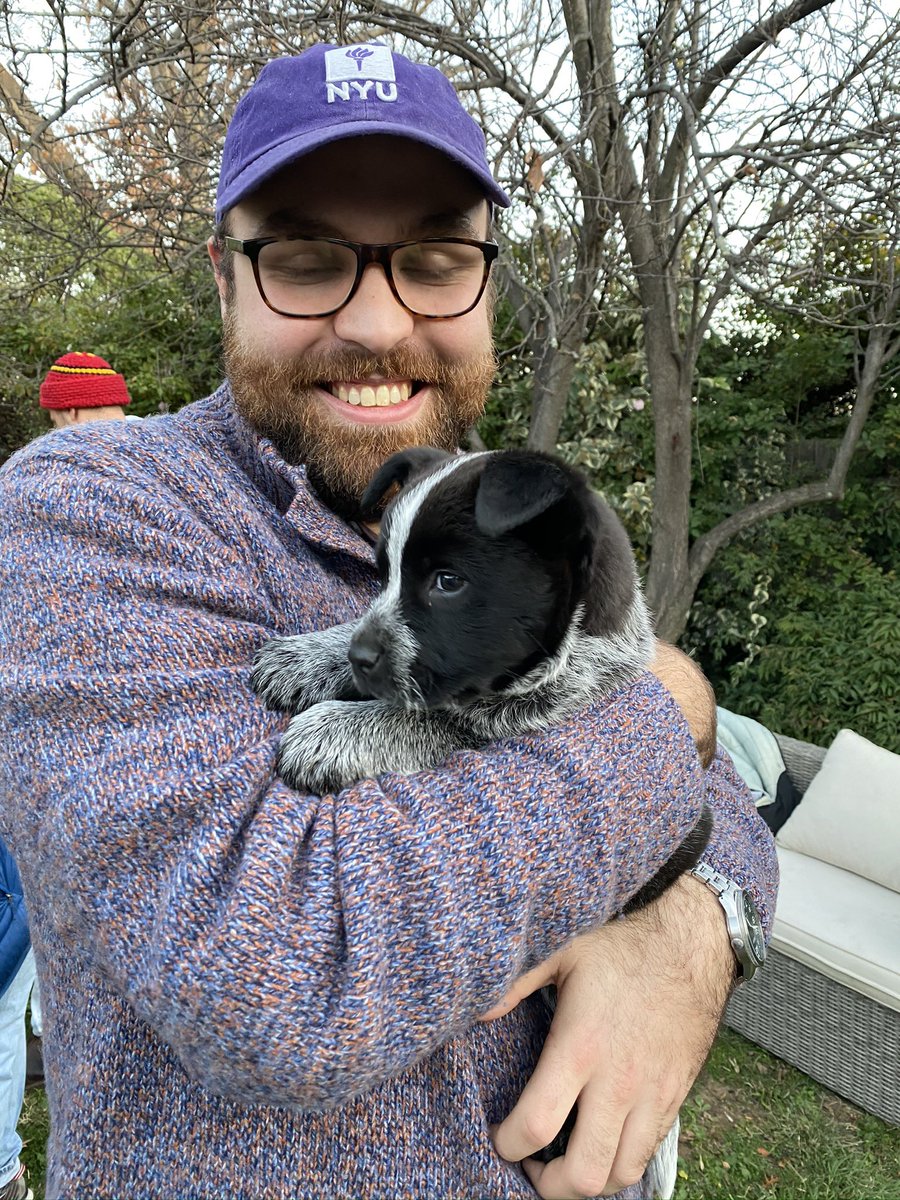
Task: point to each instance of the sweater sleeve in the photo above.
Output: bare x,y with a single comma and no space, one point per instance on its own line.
290,949
741,846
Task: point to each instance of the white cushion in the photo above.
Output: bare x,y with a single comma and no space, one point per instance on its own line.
850,814
842,926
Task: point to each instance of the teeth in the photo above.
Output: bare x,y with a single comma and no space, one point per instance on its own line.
381,395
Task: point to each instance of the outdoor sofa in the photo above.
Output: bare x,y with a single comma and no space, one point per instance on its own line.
828,998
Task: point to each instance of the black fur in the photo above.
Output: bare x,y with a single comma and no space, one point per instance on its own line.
509,599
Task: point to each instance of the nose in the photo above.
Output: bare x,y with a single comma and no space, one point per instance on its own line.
366,655
374,318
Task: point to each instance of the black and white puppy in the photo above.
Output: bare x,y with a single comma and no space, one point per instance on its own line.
510,600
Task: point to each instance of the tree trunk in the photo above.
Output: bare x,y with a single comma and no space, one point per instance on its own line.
554,370
668,580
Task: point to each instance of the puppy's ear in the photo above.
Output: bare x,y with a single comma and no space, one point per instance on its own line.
515,487
399,469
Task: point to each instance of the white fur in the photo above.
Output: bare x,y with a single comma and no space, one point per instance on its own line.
294,673
403,514
662,1169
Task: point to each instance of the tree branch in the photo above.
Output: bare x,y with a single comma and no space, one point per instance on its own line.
708,545
50,154
761,34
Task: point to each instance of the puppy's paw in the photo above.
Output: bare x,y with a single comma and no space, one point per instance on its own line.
277,677
336,743
317,749
294,673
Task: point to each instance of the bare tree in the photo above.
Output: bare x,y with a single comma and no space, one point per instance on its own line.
697,142
682,150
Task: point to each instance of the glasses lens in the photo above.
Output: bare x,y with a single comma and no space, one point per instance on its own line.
306,278
438,279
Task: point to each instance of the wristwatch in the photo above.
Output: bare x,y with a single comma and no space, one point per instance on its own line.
741,916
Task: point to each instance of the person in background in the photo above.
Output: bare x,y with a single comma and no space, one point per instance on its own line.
80,388
17,974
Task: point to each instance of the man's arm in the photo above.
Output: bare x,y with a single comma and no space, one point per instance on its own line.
136,784
640,1000
693,694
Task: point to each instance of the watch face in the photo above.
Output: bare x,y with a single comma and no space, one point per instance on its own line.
756,942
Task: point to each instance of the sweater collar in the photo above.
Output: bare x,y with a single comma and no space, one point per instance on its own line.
286,485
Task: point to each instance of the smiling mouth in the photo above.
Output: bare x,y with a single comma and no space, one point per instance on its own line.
373,394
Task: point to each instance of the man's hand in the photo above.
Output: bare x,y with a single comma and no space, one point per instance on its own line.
693,694
639,1003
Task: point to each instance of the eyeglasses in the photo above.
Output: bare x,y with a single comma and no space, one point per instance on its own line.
310,277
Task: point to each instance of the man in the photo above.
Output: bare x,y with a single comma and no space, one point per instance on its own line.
256,993
80,388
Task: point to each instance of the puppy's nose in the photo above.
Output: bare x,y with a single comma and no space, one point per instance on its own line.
365,654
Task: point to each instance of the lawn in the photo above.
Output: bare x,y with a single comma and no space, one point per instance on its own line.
753,1128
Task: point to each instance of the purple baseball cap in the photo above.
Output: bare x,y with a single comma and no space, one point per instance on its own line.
333,92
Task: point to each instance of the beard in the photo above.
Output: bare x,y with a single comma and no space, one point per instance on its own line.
278,400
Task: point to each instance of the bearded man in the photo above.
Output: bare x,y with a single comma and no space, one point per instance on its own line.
252,992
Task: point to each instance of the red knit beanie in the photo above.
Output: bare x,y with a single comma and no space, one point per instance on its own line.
83,381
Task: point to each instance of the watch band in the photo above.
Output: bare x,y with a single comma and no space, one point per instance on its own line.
741,919
709,875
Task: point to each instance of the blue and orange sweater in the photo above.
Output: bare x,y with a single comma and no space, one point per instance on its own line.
249,992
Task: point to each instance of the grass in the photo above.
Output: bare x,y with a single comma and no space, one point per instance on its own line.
34,1125
752,1129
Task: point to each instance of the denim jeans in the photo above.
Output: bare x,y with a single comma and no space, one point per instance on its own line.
12,1065
37,1019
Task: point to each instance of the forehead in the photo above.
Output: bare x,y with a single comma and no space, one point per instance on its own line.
370,189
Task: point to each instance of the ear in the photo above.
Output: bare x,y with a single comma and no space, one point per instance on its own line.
399,469
514,488
215,252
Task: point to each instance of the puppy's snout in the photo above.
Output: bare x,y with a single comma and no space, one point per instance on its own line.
367,656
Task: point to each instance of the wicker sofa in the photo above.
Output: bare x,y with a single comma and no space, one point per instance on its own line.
825,1001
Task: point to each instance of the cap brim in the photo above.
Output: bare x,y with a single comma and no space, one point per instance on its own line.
271,161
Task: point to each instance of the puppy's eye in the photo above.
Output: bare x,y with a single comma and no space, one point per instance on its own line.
447,583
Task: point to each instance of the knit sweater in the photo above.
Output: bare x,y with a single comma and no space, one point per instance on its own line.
249,992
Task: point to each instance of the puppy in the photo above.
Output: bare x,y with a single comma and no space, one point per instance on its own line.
510,600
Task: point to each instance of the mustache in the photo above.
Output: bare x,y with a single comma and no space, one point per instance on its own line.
324,367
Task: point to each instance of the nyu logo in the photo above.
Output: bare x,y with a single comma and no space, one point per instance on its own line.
360,73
